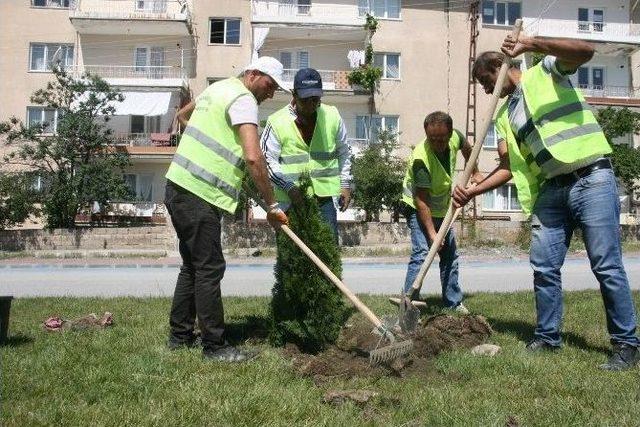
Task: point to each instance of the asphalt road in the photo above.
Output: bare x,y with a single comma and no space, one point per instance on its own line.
141,280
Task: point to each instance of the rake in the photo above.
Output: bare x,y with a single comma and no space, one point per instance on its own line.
395,346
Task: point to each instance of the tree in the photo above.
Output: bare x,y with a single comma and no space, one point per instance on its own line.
16,199
617,122
306,309
79,160
378,176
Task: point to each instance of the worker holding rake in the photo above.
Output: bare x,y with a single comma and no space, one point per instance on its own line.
427,195
554,149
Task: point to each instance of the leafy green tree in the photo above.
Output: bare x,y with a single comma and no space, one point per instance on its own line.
80,159
617,122
378,176
16,199
306,309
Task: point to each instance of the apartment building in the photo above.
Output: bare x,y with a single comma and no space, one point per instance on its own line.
161,53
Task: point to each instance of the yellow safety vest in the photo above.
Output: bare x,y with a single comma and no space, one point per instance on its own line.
319,158
562,129
441,179
209,159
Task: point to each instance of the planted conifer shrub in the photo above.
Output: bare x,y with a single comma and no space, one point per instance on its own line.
306,309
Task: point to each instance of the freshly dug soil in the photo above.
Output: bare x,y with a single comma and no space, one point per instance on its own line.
350,355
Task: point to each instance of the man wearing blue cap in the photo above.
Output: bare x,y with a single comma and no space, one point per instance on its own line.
307,136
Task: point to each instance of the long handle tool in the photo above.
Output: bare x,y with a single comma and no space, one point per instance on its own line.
395,348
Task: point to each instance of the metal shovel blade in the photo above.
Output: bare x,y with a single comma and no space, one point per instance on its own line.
409,315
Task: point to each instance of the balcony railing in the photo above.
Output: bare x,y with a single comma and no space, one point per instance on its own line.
176,10
610,91
316,13
146,139
331,79
588,30
132,71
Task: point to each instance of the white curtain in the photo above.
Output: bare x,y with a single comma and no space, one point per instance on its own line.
259,36
356,58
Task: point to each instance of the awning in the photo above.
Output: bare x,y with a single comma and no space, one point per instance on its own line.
143,104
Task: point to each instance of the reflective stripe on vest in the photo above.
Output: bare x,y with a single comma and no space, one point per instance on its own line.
201,173
439,195
208,161
215,146
319,158
561,130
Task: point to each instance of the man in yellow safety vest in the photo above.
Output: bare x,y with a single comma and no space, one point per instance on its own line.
219,144
426,192
553,147
308,136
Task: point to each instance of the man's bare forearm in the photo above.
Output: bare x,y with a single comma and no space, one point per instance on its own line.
424,214
570,53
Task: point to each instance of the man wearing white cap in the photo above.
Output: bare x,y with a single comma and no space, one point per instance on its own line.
219,144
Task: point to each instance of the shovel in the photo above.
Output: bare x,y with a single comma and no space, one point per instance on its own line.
395,348
406,304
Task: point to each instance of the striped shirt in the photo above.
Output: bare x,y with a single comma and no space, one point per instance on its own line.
272,148
519,115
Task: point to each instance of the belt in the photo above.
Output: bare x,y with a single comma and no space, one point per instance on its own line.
570,178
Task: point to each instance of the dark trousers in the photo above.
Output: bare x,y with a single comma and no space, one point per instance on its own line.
197,224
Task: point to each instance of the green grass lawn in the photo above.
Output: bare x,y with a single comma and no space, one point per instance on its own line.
124,375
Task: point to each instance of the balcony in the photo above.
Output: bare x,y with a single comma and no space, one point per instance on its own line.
142,76
290,12
611,95
332,80
145,17
611,32
146,139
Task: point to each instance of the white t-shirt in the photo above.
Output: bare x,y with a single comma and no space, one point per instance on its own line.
244,110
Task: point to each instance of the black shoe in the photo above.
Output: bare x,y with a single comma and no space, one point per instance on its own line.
624,357
175,344
537,345
228,354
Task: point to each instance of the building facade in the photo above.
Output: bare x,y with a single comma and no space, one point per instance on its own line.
163,53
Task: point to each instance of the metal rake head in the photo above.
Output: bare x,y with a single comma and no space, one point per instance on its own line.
390,352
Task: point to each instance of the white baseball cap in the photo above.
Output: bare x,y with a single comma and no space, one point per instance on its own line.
269,66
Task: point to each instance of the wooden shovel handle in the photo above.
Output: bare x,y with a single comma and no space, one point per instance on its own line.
323,267
336,281
452,213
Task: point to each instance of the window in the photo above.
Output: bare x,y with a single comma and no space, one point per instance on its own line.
304,6
389,63
155,6
42,56
491,140
145,124
150,60
368,127
63,4
389,9
591,78
224,31
40,116
590,20
501,12
140,184
503,198
294,60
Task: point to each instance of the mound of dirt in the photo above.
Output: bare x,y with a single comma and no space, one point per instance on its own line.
350,356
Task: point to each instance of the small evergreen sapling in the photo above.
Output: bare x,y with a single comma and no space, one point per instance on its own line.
307,309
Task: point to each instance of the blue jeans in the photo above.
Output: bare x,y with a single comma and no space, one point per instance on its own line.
592,204
329,214
451,292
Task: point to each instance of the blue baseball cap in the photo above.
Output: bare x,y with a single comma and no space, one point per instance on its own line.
307,83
